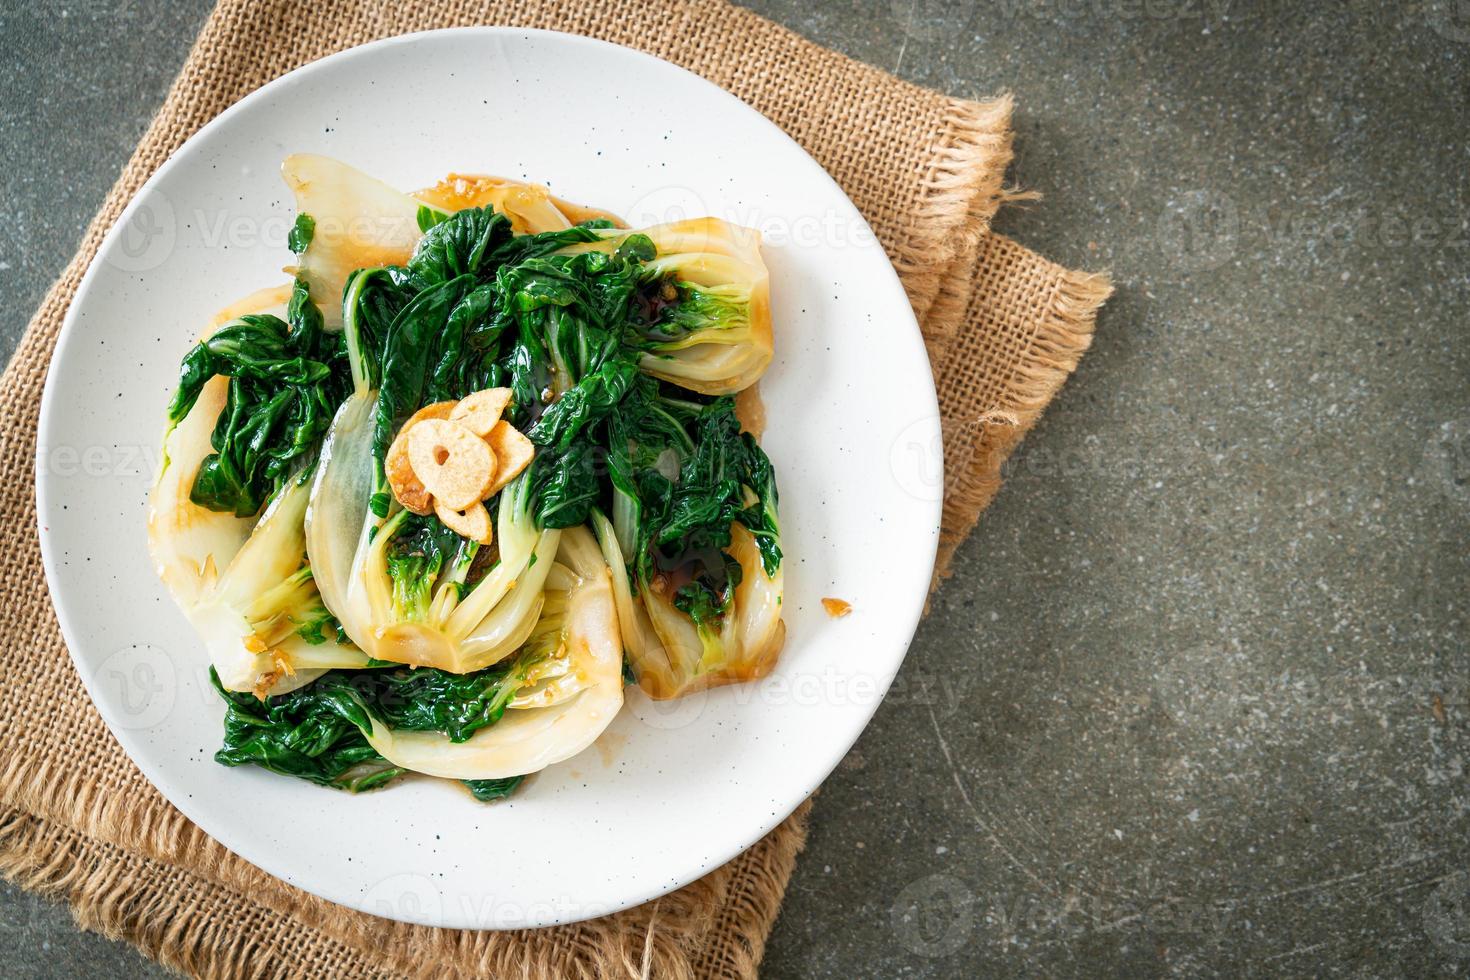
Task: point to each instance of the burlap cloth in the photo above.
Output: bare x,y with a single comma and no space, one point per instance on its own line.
1004,327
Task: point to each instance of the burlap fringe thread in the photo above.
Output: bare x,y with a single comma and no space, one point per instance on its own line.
977,447
124,895
961,191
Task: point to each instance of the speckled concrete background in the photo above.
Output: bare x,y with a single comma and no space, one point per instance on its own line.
1195,701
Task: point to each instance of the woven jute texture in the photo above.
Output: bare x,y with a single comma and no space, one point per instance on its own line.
1004,327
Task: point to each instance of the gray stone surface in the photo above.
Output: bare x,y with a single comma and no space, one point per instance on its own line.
1195,699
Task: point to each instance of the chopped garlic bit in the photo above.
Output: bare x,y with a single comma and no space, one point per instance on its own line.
836,608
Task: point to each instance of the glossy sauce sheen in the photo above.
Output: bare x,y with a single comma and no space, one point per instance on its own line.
459,191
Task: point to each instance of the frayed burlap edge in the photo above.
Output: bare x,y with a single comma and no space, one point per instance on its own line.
979,438
961,192
945,316
126,895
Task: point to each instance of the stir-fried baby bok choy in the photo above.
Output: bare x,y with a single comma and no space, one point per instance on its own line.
702,315
563,687
225,517
480,459
694,522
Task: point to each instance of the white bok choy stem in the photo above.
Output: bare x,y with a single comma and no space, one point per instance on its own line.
573,690
243,582
360,222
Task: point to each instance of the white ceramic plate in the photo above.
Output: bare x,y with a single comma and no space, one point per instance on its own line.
673,789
